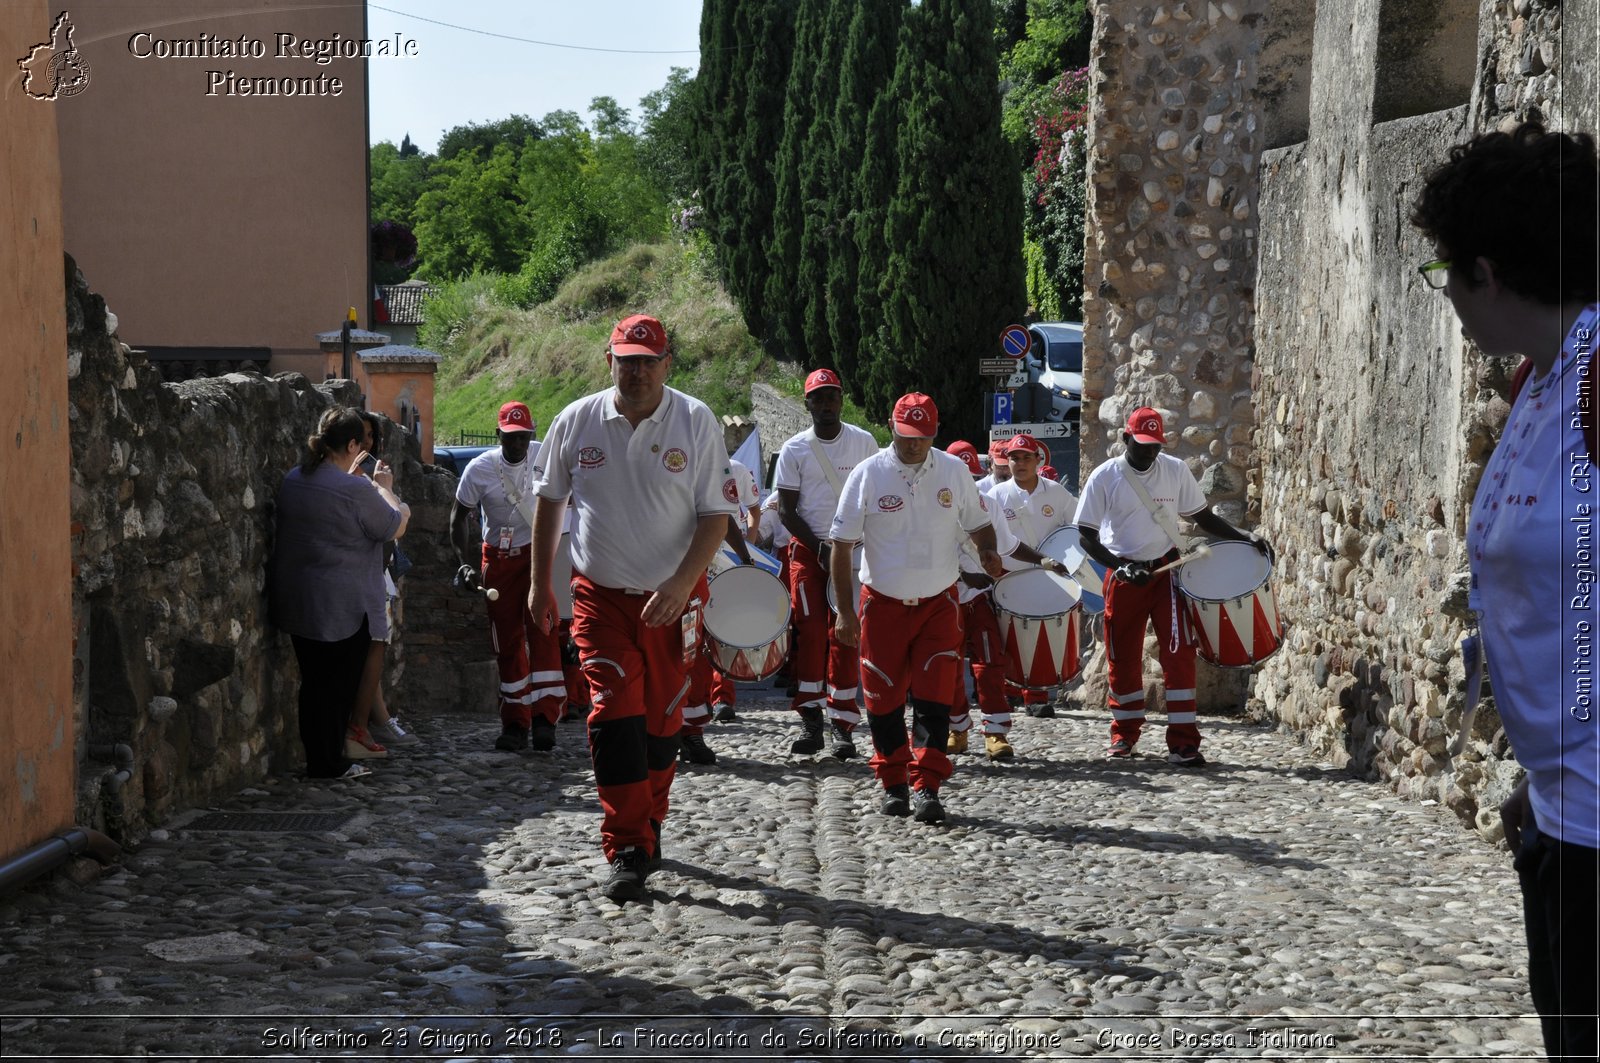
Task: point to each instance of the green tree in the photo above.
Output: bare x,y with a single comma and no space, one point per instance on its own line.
666,131
782,298
821,190
955,271
864,120
470,217
473,137
397,181
1056,199
1055,37
716,108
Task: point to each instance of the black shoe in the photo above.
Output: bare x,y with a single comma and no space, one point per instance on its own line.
1047,711
723,713
573,711
542,735
1187,757
811,740
693,749
896,800
629,868
1121,749
513,739
844,744
925,806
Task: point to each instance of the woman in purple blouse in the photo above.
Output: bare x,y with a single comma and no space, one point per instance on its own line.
327,589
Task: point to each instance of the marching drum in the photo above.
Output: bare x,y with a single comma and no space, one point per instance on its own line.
725,558
561,578
855,582
1039,619
1231,604
747,624
1064,545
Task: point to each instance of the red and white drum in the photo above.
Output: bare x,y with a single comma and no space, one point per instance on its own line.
855,582
1039,624
1231,605
747,623
561,578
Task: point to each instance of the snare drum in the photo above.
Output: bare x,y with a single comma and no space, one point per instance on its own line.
855,582
1039,626
561,578
747,624
1231,604
1064,545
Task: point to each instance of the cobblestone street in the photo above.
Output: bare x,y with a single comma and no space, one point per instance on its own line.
1268,906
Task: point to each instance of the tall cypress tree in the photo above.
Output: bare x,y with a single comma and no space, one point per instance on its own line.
719,114
954,277
820,175
749,202
782,299
875,189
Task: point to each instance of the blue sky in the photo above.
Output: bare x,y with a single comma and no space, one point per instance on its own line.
460,76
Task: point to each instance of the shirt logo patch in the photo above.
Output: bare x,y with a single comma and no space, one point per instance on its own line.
890,503
1010,513
730,490
981,503
945,497
591,457
1048,511
675,460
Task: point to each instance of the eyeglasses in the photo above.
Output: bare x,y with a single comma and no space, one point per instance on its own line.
1435,273
642,360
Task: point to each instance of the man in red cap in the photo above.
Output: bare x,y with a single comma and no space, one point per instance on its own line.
496,487
999,467
1132,540
811,471
648,473
1033,507
910,506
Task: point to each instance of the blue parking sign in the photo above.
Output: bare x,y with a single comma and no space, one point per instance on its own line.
1002,408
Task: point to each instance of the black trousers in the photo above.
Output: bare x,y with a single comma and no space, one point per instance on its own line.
1560,892
330,677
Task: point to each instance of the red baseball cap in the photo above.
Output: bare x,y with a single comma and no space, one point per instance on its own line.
915,416
1145,425
967,453
822,378
997,453
1049,472
640,334
1023,441
514,417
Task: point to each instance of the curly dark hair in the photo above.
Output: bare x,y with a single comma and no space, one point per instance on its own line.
1524,200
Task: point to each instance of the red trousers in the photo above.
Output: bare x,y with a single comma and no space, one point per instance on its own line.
915,650
638,678
529,661
707,687
986,650
1128,609
818,657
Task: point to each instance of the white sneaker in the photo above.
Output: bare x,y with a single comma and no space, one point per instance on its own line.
393,734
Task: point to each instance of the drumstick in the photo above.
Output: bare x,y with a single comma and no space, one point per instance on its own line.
491,594
1194,555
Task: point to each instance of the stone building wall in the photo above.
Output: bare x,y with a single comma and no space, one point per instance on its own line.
171,499
1176,135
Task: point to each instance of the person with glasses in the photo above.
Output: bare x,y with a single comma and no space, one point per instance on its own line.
1513,217
653,490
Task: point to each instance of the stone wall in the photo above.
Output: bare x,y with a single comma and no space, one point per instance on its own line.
1176,135
171,498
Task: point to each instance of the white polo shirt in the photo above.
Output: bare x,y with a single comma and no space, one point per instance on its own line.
1126,527
639,491
746,481
771,525
1004,541
484,484
911,520
1032,517
798,471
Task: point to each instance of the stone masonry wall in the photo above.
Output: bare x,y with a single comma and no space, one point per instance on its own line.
1170,259
1375,415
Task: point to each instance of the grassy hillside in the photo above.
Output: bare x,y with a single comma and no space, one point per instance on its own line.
553,353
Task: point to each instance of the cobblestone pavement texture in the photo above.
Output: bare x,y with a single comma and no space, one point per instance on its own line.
1267,906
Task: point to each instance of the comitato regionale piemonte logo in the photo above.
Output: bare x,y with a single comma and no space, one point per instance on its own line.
55,68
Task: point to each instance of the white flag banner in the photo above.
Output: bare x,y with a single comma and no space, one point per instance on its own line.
749,453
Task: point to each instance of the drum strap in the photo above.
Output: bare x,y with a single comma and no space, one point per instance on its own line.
516,494
822,461
1163,516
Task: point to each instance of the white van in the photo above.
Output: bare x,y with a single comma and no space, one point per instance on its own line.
1055,372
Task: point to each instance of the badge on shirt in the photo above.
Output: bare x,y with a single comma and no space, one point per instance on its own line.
505,538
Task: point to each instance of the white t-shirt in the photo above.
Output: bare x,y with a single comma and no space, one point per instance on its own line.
911,520
1126,527
798,471
639,491
772,525
1032,517
746,480
483,484
1531,545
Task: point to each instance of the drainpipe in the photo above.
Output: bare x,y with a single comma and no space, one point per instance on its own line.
52,853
